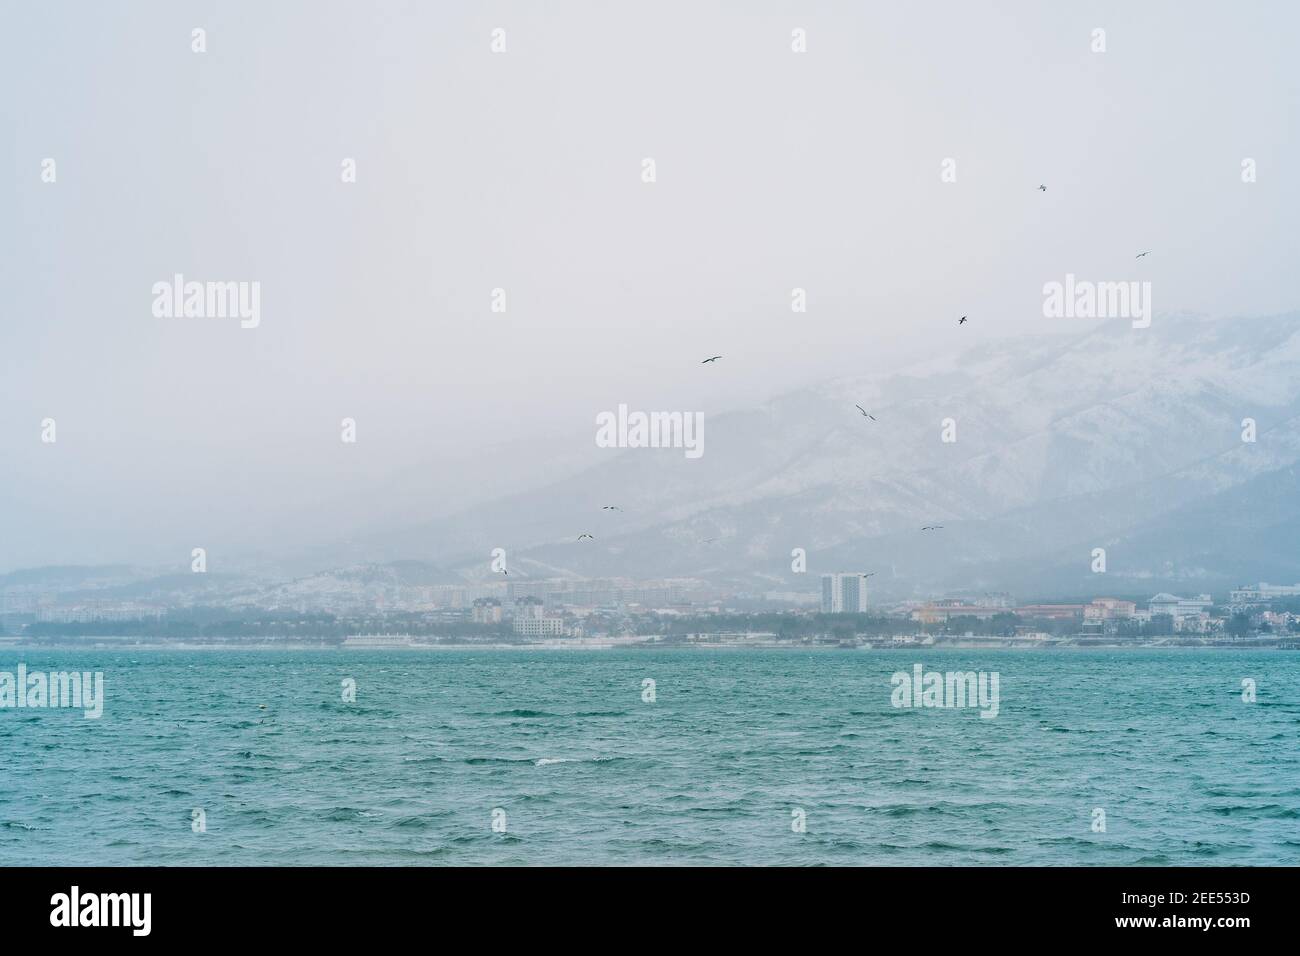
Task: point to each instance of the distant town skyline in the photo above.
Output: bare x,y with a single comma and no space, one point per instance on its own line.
583,610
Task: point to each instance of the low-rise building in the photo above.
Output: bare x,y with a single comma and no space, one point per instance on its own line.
732,637
940,612
528,608
487,611
1177,607
1109,609
544,627
1262,593
1278,620
377,640
98,611
1053,612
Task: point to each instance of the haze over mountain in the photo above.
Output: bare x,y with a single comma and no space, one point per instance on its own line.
1121,438
1117,438
886,171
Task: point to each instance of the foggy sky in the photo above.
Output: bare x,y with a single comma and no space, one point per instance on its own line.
522,171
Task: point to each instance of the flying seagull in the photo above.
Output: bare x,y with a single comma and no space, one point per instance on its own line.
708,360
932,527
865,413
710,540
581,536
1141,254
610,508
1043,188
871,575
962,320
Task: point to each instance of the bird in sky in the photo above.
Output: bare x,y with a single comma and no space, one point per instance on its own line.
710,540
1141,254
591,536
871,575
865,413
1042,188
962,320
610,508
708,360
932,527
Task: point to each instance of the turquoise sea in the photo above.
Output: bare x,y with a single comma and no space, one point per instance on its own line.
561,748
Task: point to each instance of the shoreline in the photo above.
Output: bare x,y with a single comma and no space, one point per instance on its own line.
653,646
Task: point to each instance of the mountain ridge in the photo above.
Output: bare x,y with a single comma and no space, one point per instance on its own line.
1087,422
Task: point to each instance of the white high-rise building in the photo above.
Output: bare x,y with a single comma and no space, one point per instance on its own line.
844,592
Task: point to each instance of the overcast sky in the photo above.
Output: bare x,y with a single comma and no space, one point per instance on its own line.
523,170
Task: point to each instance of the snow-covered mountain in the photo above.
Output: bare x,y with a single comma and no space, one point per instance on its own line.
1120,438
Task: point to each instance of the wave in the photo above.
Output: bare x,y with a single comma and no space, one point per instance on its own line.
343,814
416,822
1272,811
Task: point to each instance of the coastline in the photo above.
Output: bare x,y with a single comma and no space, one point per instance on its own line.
1054,646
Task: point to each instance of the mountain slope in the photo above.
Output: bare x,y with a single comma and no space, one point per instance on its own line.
1120,438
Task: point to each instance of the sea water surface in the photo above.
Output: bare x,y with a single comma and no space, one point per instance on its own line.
561,747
